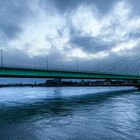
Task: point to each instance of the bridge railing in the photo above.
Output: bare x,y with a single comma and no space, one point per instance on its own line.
54,68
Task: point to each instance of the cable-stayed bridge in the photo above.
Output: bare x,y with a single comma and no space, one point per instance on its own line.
22,72
104,73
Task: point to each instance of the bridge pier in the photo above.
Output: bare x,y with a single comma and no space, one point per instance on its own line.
137,84
82,82
57,81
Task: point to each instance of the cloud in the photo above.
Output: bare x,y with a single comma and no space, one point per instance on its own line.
117,27
12,13
125,47
70,5
68,30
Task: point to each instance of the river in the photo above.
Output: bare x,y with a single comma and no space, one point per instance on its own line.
69,113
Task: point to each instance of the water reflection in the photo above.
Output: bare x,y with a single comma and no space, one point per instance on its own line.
58,105
59,114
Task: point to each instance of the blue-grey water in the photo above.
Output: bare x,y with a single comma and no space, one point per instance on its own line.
69,113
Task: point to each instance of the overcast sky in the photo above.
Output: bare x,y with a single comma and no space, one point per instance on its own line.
86,32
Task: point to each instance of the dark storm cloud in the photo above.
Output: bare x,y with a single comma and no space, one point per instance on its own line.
90,44
11,31
12,13
68,5
136,5
134,35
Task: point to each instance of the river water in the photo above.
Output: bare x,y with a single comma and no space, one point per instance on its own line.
69,113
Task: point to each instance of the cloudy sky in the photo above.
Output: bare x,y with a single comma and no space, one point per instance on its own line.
87,32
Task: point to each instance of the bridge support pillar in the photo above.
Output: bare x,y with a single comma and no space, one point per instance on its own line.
137,84
58,81
82,82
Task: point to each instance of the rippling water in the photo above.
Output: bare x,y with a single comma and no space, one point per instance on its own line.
76,113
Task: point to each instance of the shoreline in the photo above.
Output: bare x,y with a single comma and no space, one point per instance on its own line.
39,85
29,85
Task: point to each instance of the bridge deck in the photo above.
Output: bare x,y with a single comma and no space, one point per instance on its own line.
39,73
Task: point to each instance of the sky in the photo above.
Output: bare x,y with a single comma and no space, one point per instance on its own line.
90,33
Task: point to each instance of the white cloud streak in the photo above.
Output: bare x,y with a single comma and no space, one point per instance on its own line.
49,31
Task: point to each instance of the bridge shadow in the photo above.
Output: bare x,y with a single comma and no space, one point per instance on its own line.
58,106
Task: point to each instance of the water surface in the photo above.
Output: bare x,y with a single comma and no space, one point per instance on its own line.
69,113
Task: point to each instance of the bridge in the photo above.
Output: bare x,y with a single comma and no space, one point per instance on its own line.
22,72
